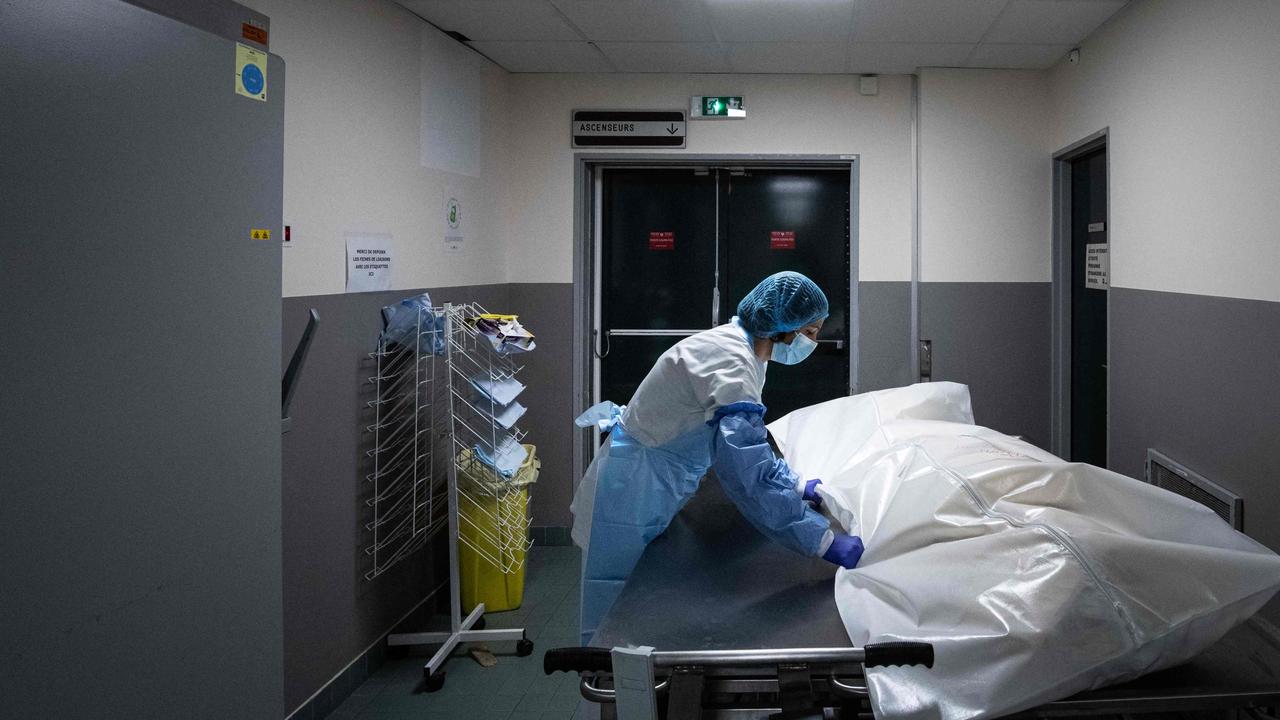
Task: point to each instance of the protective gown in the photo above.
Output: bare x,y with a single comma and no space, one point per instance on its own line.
697,408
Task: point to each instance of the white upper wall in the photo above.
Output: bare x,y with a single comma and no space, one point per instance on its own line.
370,91
1188,89
785,114
985,176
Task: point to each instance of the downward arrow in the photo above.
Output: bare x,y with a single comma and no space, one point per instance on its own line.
673,129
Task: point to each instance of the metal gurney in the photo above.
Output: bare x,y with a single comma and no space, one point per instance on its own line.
711,582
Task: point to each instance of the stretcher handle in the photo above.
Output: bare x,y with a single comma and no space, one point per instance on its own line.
579,659
898,653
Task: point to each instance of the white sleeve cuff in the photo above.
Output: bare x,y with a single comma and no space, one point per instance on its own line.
827,538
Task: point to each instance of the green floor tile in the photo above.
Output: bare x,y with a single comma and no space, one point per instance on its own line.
515,689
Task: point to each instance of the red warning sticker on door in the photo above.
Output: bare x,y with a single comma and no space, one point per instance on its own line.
782,240
662,240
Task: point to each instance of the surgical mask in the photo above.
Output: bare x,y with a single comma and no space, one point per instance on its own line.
798,350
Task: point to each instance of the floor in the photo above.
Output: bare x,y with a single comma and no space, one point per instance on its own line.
515,689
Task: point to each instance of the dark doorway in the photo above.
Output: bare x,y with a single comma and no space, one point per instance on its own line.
680,247
1088,299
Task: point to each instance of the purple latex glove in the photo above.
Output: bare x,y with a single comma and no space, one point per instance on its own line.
811,495
845,551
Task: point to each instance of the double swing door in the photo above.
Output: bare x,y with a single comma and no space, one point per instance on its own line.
679,247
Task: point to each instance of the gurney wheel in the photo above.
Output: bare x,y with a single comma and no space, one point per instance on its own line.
434,681
524,647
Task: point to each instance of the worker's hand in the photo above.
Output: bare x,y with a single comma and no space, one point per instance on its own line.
811,495
845,551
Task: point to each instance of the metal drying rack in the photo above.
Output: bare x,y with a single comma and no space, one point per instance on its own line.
497,519
408,501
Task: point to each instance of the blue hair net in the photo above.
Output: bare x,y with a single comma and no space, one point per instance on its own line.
781,303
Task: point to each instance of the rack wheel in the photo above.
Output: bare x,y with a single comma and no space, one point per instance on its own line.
524,647
433,681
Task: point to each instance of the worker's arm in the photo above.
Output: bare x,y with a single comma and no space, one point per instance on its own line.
762,485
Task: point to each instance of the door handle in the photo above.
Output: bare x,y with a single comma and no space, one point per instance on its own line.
644,332
595,337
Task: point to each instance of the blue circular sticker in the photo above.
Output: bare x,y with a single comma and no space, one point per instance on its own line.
251,78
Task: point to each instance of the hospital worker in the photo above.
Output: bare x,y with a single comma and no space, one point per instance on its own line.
699,408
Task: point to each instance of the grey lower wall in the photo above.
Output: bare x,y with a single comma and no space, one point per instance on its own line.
547,309
1196,378
331,613
994,337
884,342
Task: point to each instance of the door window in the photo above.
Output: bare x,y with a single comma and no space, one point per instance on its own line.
681,248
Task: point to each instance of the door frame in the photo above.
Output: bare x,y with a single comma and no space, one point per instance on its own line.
586,232
1060,403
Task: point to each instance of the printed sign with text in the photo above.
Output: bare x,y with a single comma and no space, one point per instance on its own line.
662,240
782,240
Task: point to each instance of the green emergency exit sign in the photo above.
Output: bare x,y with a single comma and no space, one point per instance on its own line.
717,106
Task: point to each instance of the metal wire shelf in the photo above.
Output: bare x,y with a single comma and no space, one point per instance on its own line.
405,500
485,505
495,515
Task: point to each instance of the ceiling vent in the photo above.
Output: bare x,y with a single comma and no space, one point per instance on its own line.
1167,473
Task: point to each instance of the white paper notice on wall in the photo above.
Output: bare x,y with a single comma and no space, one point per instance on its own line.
368,262
1097,266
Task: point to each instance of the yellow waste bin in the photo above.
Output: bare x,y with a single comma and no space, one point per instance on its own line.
493,528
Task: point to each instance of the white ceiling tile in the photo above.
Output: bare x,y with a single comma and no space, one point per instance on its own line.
495,19
1051,22
698,57
639,20
1025,57
787,57
904,58
773,21
924,21
555,57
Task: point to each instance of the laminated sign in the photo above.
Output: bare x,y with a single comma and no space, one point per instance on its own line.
782,240
1097,266
662,240
251,72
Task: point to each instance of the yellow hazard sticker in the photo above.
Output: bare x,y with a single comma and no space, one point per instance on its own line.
260,234
251,72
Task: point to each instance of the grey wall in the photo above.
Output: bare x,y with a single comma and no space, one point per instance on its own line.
884,343
331,613
547,308
994,337
1195,377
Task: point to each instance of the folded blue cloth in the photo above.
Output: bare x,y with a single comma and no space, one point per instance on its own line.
499,391
509,456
